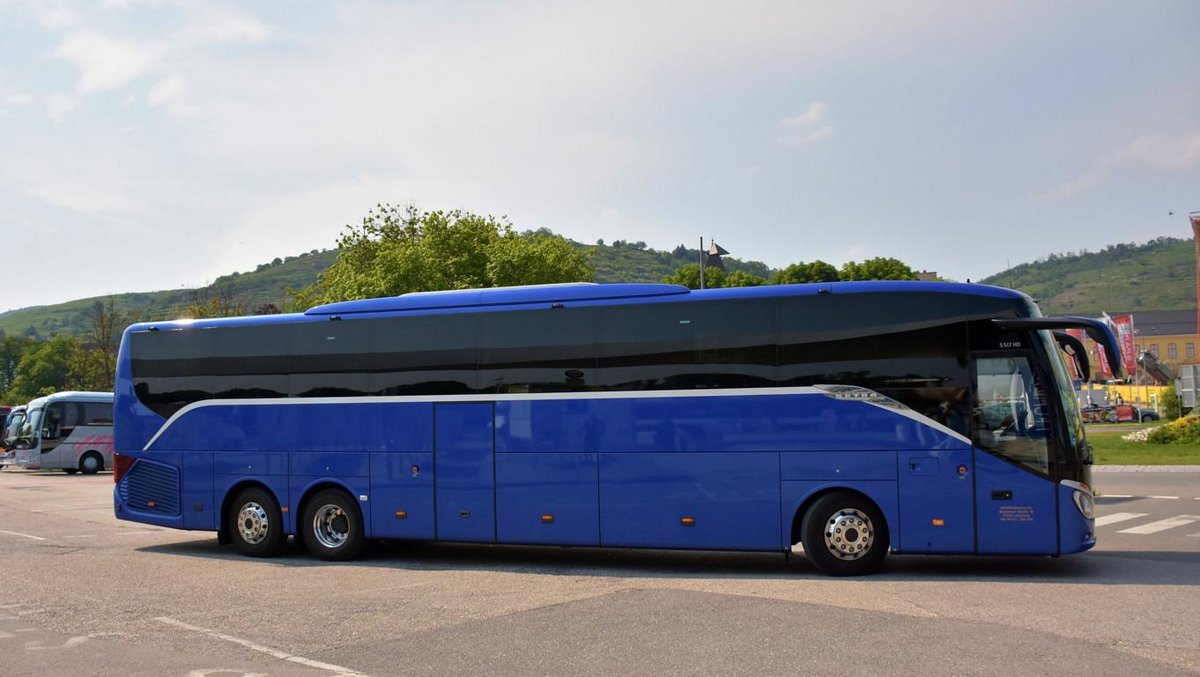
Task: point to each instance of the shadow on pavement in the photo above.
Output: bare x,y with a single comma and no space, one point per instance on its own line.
1103,567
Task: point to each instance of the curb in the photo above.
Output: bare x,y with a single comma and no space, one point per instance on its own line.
1146,468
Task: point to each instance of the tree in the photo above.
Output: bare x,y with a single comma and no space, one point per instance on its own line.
689,276
12,349
399,250
740,278
1172,404
45,368
214,301
879,268
798,273
95,367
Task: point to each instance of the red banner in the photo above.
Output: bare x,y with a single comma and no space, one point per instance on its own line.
1125,340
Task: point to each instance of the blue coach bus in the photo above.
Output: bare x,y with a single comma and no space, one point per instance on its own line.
853,418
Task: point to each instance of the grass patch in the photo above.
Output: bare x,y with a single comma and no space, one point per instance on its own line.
1110,449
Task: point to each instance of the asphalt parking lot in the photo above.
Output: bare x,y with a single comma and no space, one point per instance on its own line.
84,594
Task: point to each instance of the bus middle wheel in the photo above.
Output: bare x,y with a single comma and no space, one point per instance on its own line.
332,526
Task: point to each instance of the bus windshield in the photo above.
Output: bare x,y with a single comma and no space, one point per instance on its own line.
29,428
14,425
1072,418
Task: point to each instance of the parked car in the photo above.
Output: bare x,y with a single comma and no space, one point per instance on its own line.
1118,413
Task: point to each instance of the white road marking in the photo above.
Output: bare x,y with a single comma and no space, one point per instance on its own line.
1114,495
345,672
17,533
1118,517
1169,498
71,642
1162,525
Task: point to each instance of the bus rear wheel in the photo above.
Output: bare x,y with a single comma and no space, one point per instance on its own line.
331,526
91,463
256,524
844,534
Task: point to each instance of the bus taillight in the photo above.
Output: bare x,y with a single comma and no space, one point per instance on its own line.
121,465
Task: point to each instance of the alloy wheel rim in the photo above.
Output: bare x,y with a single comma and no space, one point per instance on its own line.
849,534
331,526
252,523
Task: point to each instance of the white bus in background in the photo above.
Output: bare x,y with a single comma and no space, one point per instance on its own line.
12,424
71,431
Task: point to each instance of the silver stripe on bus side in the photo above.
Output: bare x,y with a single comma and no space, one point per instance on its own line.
524,397
925,420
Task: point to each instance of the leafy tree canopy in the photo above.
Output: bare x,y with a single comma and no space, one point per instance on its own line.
689,276
396,250
799,273
878,268
46,367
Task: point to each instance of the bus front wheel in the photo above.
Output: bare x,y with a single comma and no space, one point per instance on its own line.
91,463
256,524
332,526
844,534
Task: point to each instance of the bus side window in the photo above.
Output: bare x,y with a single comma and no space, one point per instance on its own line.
52,424
1010,412
97,413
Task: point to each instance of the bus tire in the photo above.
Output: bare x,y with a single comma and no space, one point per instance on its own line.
331,526
844,534
256,524
70,471
91,463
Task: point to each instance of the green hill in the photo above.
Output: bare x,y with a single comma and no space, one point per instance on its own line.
268,284
1157,275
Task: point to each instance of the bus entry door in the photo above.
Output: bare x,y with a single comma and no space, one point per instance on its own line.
1014,495
464,472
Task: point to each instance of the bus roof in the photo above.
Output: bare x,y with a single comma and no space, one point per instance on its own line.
581,293
589,291
500,296
72,395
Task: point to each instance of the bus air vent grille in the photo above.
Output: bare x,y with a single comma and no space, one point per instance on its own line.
151,487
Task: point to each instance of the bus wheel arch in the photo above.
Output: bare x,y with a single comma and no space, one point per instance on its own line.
844,531
330,522
91,462
263,533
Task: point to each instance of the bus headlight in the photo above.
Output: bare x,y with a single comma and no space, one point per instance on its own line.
1083,501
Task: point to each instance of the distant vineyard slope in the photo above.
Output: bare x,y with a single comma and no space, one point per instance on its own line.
1157,275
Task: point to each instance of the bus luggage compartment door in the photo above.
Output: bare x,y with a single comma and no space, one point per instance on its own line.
464,472
936,510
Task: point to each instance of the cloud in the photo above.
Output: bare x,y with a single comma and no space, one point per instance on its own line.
610,213
807,127
106,63
85,199
1167,154
18,98
58,105
224,25
170,93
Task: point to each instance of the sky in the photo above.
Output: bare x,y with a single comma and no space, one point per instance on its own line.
149,145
